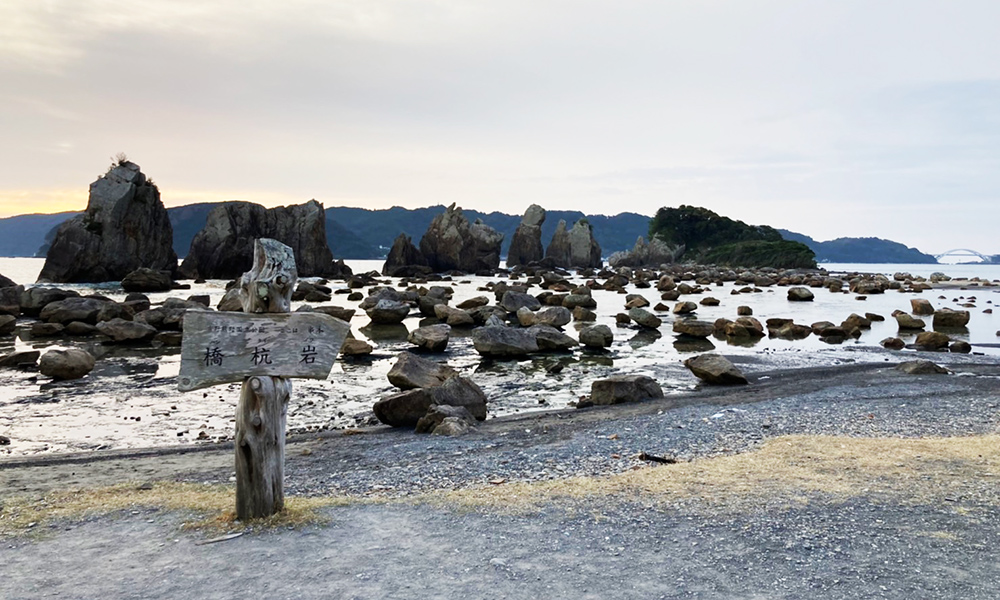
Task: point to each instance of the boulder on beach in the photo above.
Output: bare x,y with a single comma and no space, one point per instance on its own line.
122,331
948,318
124,227
645,318
10,300
624,388
71,363
715,369
451,417
921,306
597,336
932,340
921,367
452,243
388,312
906,321
411,371
526,243
432,338
500,341
694,327
405,409
800,294
147,280
223,249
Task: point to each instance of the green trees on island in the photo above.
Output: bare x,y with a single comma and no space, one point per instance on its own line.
712,238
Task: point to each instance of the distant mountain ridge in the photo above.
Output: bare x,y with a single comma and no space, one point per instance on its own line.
360,233
352,233
860,250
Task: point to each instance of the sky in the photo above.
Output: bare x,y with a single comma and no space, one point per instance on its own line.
830,118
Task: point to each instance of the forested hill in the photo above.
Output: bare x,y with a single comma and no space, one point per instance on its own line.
860,250
351,232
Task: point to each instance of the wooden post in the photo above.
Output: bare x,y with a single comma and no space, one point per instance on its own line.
261,414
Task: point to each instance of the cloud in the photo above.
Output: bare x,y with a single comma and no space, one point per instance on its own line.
772,110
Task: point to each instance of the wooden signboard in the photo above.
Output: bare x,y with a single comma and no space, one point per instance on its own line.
263,346
224,347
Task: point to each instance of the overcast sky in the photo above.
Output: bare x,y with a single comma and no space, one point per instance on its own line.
839,118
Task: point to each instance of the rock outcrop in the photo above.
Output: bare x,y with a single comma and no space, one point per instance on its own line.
404,259
451,243
575,247
224,248
526,244
654,253
125,227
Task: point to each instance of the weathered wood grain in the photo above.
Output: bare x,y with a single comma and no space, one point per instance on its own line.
261,413
223,347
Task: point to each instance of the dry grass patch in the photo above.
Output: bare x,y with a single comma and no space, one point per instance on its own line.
212,507
789,469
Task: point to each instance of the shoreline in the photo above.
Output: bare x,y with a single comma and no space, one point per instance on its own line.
314,460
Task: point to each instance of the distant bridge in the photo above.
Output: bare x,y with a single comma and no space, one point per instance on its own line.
964,253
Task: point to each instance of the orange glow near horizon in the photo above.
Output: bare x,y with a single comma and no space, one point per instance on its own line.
48,201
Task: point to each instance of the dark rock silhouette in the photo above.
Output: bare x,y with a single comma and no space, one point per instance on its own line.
404,259
575,247
526,245
224,248
451,243
125,227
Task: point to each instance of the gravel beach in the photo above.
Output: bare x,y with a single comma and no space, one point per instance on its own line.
407,544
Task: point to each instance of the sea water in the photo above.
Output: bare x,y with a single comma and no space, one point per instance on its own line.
131,399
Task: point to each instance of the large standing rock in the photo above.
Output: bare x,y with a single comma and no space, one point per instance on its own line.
125,227
526,245
451,243
715,369
72,363
624,388
404,259
597,336
224,248
574,248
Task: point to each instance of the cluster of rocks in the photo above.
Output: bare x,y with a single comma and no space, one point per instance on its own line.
452,244
223,249
434,398
125,235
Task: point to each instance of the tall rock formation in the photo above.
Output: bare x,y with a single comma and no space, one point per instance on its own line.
125,227
576,247
404,259
451,243
526,245
224,248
